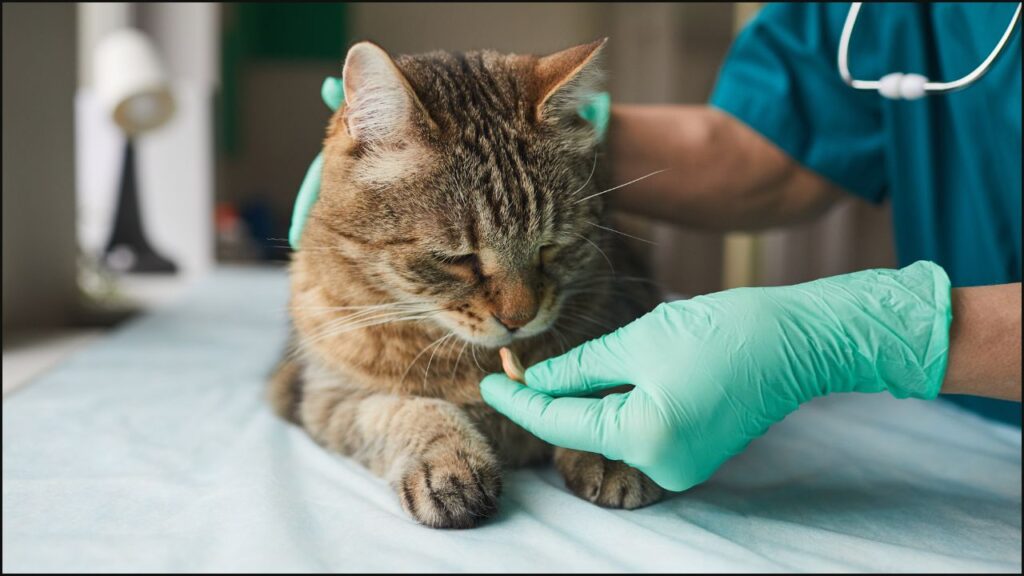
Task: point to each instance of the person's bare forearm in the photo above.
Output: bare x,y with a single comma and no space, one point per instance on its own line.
984,342
722,174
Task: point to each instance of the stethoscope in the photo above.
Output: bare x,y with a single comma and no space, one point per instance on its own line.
900,86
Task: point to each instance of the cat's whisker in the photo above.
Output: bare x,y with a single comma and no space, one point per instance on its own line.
576,306
388,308
635,180
364,316
472,349
561,337
586,335
365,323
598,248
459,359
610,287
632,299
334,333
602,289
337,330
372,307
592,170
283,243
425,348
621,296
452,344
651,242
599,277
340,249
455,342
573,315
426,373
596,289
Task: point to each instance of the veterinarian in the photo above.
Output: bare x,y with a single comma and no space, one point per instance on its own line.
921,106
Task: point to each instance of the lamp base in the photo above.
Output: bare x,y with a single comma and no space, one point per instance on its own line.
142,258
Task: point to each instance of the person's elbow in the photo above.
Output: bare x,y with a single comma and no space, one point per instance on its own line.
778,190
800,196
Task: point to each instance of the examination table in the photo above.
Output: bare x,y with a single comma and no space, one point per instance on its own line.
154,450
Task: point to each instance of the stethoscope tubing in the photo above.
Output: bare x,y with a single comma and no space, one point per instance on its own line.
929,86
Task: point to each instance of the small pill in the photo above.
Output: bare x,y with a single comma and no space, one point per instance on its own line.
510,363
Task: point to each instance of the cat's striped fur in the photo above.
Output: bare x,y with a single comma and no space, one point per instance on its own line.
453,218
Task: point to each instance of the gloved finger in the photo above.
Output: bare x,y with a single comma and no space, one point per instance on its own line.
333,92
308,193
588,424
588,368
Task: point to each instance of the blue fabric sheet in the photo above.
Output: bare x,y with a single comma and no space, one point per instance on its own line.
154,450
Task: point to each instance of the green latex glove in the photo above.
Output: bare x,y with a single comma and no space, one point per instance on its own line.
597,111
714,372
333,93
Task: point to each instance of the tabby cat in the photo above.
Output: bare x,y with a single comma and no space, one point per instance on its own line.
459,212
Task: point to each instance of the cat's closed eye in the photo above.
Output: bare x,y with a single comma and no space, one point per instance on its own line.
465,260
467,264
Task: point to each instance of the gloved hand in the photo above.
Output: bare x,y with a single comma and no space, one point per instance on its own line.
714,372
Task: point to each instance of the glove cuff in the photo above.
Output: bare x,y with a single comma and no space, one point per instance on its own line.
909,315
882,330
930,283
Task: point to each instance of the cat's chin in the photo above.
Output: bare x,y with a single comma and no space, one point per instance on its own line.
498,337
498,340
495,341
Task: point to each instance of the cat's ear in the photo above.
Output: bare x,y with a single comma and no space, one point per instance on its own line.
567,80
379,102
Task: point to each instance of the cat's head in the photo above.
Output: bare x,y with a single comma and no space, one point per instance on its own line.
458,183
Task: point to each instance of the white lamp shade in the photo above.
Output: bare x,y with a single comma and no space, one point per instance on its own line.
131,82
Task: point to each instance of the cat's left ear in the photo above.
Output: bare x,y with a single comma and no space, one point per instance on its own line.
568,81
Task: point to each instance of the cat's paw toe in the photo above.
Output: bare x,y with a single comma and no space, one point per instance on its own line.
451,490
606,482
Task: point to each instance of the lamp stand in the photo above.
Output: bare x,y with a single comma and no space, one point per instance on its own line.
128,250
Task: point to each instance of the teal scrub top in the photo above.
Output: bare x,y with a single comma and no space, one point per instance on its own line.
950,163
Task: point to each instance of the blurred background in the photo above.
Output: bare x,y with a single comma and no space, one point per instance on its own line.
118,196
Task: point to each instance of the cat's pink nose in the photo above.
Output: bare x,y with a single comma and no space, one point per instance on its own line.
516,320
515,301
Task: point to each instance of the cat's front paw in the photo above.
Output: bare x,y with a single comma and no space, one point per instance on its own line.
605,482
451,488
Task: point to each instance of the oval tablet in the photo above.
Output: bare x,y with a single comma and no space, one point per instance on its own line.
510,363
